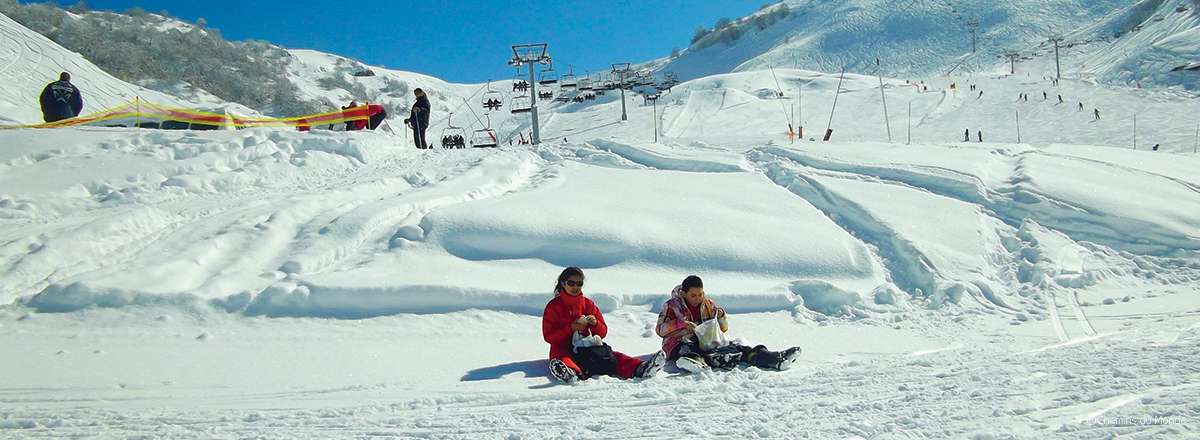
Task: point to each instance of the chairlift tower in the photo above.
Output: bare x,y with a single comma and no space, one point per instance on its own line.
1012,61
622,71
974,25
1057,69
531,55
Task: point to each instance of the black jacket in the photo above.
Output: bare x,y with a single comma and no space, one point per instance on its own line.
60,100
419,116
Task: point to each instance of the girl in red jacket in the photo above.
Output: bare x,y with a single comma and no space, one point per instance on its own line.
575,329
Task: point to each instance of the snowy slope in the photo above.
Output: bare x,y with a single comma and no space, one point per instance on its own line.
272,283
977,286
29,61
921,39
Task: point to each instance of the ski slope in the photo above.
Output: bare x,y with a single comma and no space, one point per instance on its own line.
222,284
1112,42
277,284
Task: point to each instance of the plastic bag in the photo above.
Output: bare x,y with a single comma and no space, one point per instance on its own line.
578,340
710,336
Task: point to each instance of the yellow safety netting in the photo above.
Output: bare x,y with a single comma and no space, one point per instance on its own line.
142,111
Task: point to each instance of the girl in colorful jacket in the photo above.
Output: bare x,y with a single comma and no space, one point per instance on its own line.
688,308
572,325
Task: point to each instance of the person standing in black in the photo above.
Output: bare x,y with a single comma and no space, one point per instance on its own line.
418,119
61,100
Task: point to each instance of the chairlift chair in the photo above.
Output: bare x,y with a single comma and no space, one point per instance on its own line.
567,82
521,104
545,95
548,76
585,83
452,136
491,101
484,138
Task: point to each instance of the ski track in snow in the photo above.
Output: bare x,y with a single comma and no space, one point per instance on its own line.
1078,390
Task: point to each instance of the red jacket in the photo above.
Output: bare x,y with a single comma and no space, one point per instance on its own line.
557,318
372,110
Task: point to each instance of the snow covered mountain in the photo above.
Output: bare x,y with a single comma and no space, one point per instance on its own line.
1112,41
29,61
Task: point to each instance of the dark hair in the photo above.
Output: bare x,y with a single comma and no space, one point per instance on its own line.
418,91
567,273
64,76
690,282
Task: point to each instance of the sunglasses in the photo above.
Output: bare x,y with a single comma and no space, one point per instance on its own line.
570,283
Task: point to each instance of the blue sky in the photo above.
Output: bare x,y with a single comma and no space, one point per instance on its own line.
460,41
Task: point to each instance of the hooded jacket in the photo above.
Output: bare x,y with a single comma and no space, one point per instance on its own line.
560,312
672,326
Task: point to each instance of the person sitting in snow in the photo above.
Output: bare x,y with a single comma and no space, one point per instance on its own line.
689,308
60,100
575,330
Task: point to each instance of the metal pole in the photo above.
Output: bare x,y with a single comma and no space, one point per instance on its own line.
1057,67
835,100
654,106
800,104
779,97
536,138
1018,119
909,124
792,124
1197,146
1135,131
886,120
624,115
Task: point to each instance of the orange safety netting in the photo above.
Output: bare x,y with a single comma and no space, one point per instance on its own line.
140,111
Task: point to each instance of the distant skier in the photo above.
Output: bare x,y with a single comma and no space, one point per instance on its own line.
1097,113
1154,148
967,135
575,329
1081,106
980,134
61,100
1026,97
418,119
689,308
1044,96
1060,100
980,95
